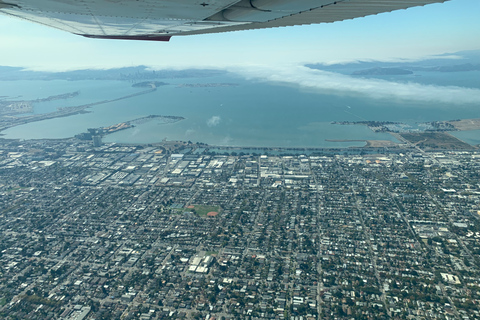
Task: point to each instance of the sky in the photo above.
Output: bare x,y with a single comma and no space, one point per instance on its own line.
413,34
275,55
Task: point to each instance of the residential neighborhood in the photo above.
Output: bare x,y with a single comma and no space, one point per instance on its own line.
149,232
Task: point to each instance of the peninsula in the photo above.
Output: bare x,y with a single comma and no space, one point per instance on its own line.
103,131
13,107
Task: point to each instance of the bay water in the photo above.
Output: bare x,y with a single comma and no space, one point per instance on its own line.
250,113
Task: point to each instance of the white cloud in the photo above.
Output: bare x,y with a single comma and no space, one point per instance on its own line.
190,132
213,121
334,83
226,141
135,132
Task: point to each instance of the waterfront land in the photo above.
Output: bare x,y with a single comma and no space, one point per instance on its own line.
435,135
369,143
9,107
103,131
433,126
436,140
12,121
465,124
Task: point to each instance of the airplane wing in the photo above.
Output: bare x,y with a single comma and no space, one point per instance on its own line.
160,19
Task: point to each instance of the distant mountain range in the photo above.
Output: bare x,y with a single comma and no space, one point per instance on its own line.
454,68
139,73
382,71
378,71
463,61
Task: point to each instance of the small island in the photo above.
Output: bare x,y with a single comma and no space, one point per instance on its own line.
149,84
375,126
206,85
59,97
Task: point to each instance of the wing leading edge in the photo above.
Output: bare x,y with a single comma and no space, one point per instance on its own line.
158,20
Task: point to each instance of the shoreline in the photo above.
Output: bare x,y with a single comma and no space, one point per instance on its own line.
65,111
346,140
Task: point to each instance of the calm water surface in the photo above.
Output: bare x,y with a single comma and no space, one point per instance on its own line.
250,114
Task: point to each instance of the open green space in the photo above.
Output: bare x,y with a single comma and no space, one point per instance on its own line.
202,210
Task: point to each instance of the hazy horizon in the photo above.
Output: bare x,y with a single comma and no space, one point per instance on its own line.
411,34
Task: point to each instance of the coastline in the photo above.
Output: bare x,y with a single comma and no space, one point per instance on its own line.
64,111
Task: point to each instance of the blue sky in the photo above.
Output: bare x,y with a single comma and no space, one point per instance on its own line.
405,34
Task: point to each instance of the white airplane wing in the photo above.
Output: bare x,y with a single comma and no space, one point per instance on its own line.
161,19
